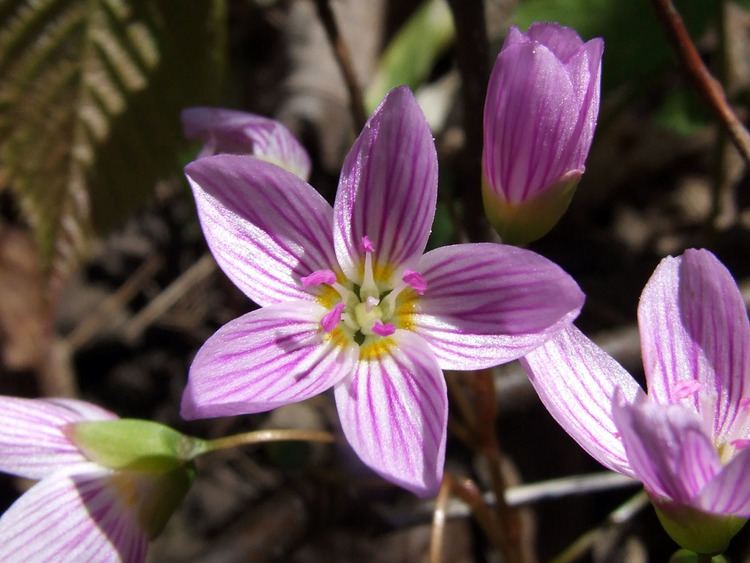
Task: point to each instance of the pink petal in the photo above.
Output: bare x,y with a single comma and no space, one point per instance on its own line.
537,125
486,304
388,187
729,491
694,326
267,358
238,132
667,447
576,380
394,412
563,41
266,228
32,439
73,518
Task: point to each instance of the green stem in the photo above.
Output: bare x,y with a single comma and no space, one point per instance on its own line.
259,437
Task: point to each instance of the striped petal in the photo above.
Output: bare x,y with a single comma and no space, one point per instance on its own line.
388,188
532,116
729,491
72,517
267,358
694,335
576,380
238,132
667,447
394,412
33,443
486,304
266,228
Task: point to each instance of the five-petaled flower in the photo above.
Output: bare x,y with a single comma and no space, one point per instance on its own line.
687,439
106,485
539,119
349,301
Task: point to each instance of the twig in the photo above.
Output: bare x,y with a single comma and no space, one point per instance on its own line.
472,50
621,515
566,486
344,60
199,271
438,520
523,495
709,87
102,315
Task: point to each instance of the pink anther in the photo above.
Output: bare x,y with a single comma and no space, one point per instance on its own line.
383,329
319,277
367,244
741,443
745,403
332,318
685,388
415,280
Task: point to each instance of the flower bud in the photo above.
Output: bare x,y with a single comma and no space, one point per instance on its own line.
539,118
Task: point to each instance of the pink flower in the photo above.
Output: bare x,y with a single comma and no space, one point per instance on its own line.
237,132
350,302
539,119
79,510
106,485
686,440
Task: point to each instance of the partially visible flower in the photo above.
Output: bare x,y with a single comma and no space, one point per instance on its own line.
687,439
106,485
350,301
237,132
539,119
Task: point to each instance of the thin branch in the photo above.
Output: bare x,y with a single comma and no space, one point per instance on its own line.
523,495
101,317
196,273
439,519
344,60
472,50
709,87
616,519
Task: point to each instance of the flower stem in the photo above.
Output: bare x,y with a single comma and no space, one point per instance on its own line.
261,437
344,60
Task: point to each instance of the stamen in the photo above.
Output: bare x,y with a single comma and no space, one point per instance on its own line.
745,403
685,388
369,287
332,318
741,443
371,302
383,329
319,277
415,281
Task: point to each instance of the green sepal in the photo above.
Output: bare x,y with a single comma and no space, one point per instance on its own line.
525,222
138,445
167,491
695,530
687,556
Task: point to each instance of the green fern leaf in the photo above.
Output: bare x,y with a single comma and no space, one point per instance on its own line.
90,94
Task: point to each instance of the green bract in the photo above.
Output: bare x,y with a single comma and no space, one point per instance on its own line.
138,445
695,530
522,223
